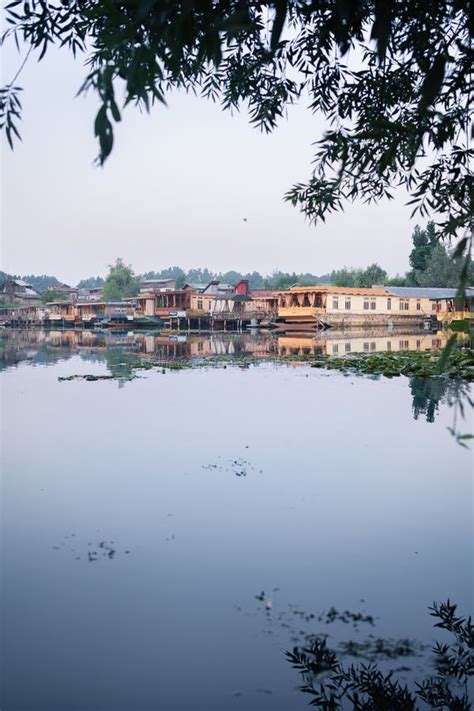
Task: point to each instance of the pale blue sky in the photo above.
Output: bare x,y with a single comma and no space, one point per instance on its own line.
175,190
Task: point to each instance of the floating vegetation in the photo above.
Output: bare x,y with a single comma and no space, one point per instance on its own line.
459,364
239,467
88,377
93,552
379,648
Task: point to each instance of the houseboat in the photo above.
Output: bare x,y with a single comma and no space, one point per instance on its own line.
312,307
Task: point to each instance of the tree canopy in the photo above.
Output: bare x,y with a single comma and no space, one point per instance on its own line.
120,282
91,282
434,265
52,295
391,79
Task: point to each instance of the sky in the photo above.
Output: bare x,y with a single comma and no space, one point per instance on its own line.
186,185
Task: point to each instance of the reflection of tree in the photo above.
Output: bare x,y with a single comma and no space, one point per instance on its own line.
428,393
120,365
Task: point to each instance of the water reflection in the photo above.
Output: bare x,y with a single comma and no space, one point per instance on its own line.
123,351
49,346
429,393
134,521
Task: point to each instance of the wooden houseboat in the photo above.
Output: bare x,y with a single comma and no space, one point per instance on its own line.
345,307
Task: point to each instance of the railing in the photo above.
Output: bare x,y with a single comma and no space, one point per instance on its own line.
311,311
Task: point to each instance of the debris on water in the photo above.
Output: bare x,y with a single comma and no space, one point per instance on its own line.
105,548
88,377
239,467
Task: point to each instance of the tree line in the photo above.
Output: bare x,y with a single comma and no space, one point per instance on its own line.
431,265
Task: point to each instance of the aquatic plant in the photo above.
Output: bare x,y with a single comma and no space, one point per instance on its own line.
459,364
334,685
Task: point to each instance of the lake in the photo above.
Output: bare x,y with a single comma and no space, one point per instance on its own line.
168,534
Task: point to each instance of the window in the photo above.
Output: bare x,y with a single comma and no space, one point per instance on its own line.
403,345
418,305
200,304
366,304
389,304
335,348
433,305
366,346
404,305
335,302
373,346
209,305
200,346
418,345
373,303
348,304
348,347
389,345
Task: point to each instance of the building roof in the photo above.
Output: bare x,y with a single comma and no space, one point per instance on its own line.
327,288
196,287
260,293
157,281
421,292
231,297
93,304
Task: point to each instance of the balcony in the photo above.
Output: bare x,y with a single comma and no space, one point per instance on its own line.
309,313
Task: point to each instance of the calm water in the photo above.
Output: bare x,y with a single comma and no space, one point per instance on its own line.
143,519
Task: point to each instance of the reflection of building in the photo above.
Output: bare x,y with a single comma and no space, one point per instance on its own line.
340,344
378,306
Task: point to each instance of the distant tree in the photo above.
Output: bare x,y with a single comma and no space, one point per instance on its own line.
424,241
199,276
373,274
91,283
255,280
343,277
283,280
51,295
308,279
441,270
120,282
397,280
231,277
169,273
4,276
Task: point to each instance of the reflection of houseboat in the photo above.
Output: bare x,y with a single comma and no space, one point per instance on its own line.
339,343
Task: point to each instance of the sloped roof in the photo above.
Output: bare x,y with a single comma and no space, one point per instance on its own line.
421,292
196,287
228,296
327,288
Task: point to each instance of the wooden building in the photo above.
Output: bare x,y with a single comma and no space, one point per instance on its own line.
18,292
337,306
